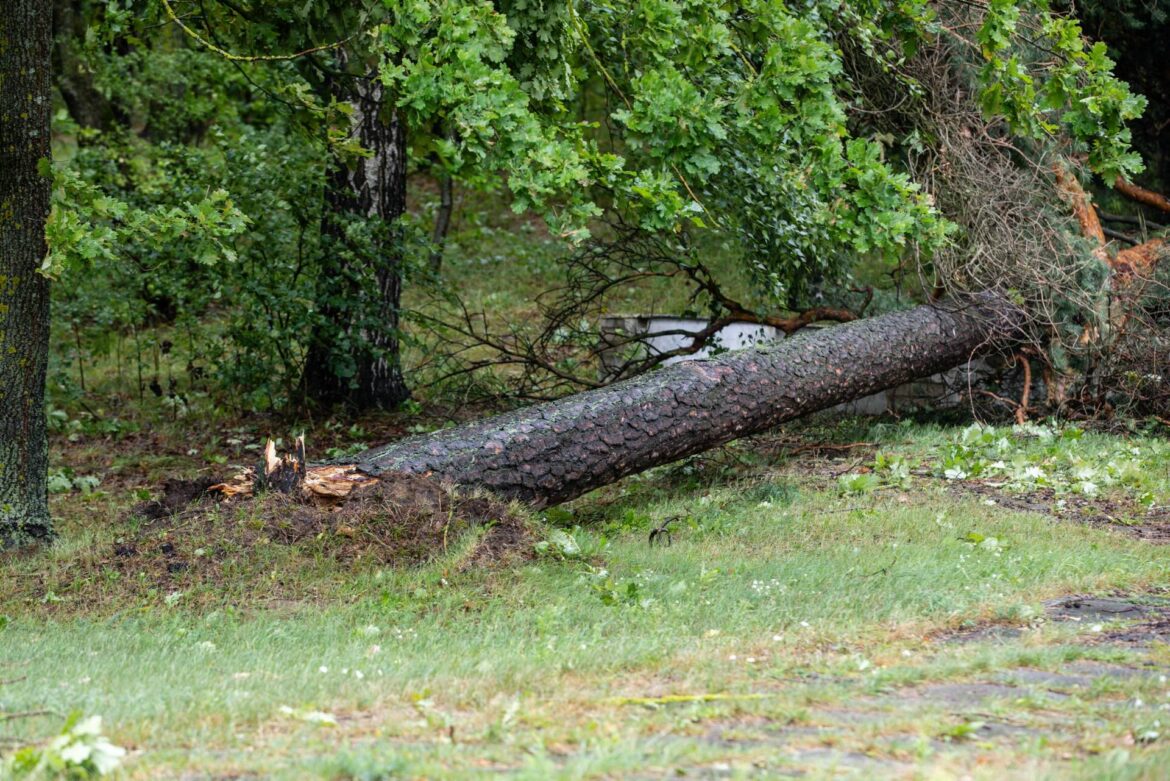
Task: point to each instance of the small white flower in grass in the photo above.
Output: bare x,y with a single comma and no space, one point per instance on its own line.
358,674
777,638
732,657
711,633
805,624
207,646
1097,628
371,630
750,660
83,744
310,716
322,669
863,664
906,654
989,502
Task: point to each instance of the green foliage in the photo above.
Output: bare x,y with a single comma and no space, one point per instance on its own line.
64,480
735,121
859,483
723,125
1063,459
1043,77
88,229
80,751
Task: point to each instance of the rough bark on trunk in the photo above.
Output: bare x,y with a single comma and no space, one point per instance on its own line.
553,452
25,42
353,354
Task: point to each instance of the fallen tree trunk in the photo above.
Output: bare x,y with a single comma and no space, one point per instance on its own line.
553,452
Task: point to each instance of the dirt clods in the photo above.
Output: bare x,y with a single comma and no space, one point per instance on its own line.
193,541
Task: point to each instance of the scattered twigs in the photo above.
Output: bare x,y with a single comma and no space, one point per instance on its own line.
661,533
1120,236
671,699
1014,405
867,291
821,447
564,348
27,714
1130,219
882,570
1022,409
851,466
737,312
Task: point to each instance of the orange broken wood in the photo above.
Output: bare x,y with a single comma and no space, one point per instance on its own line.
1139,261
1128,264
328,484
285,474
1074,195
325,485
1141,194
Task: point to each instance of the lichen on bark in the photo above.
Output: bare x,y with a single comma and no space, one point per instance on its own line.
24,293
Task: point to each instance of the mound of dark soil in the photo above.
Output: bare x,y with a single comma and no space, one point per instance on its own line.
192,541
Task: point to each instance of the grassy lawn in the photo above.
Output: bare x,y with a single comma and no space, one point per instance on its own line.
820,607
839,598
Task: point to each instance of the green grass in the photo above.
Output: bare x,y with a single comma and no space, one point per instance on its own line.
803,599
785,598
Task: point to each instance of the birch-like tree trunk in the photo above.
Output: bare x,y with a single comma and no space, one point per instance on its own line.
353,354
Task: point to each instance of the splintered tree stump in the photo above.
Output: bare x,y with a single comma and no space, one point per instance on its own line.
285,474
553,452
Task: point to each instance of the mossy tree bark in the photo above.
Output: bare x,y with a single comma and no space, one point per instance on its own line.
353,355
25,102
556,451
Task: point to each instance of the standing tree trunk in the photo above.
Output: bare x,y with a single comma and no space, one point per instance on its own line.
353,355
556,451
88,107
25,102
442,221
